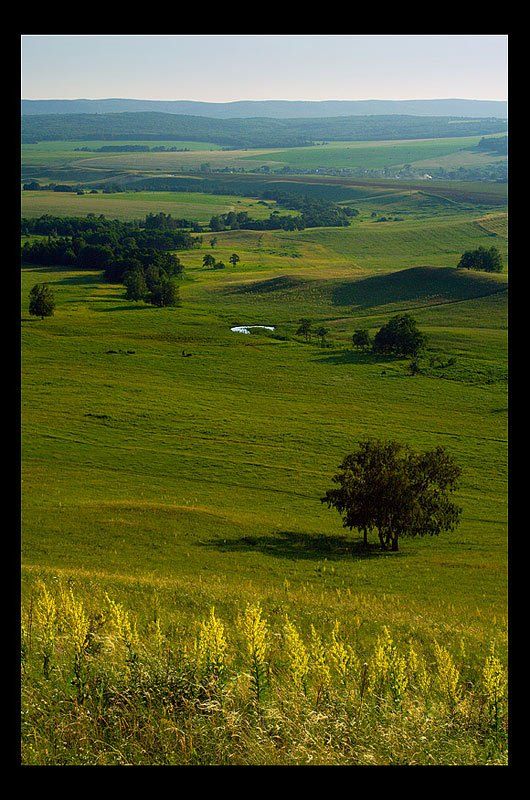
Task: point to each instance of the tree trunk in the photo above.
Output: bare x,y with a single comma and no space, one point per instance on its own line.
395,544
381,539
365,537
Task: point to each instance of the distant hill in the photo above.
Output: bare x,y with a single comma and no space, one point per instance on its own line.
242,133
279,109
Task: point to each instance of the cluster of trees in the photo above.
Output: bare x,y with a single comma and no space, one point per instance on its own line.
157,230
390,488
34,186
399,337
495,144
165,222
128,254
234,221
210,262
313,214
486,259
152,284
306,330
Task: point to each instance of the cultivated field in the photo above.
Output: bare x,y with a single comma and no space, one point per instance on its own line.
448,153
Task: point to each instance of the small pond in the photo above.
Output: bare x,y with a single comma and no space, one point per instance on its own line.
248,328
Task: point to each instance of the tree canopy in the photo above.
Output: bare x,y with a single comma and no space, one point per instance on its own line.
41,301
488,260
388,487
400,336
361,339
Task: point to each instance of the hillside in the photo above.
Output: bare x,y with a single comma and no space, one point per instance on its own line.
274,108
264,132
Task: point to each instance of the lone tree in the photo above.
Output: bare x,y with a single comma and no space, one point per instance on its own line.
234,259
208,261
488,260
400,336
41,301
213,241
322,333
305,328
389,487
361,339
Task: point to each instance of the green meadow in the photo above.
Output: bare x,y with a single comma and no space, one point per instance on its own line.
178,465
135,205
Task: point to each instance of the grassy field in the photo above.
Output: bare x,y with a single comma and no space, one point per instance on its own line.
135,205
177,483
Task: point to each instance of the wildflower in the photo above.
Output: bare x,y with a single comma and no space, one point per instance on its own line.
298,657
256,634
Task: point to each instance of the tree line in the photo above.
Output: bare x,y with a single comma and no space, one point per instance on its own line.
313,214
137,257
246,132
114,229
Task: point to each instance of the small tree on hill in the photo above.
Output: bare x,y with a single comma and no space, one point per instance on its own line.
41,301
322,333
305,328
400,336
208,261
213,241
387,487
361,339
234,259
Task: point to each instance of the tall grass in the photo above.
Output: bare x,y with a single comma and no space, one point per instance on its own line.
103,687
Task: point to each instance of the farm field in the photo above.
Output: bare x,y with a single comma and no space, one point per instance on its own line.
449,153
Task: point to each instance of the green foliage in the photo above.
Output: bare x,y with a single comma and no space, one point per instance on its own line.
41,301
388,487
361,339
488,260
135,285
256,132
305,328
400,336
322,332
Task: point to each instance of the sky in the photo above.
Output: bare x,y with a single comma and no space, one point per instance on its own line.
224,68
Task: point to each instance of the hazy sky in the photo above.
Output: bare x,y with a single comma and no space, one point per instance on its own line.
223,68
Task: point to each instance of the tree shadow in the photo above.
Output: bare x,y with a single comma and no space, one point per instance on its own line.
129,307
295,545
79,280
353,357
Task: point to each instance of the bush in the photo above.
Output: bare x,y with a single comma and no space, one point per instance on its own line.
41,301
400,336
